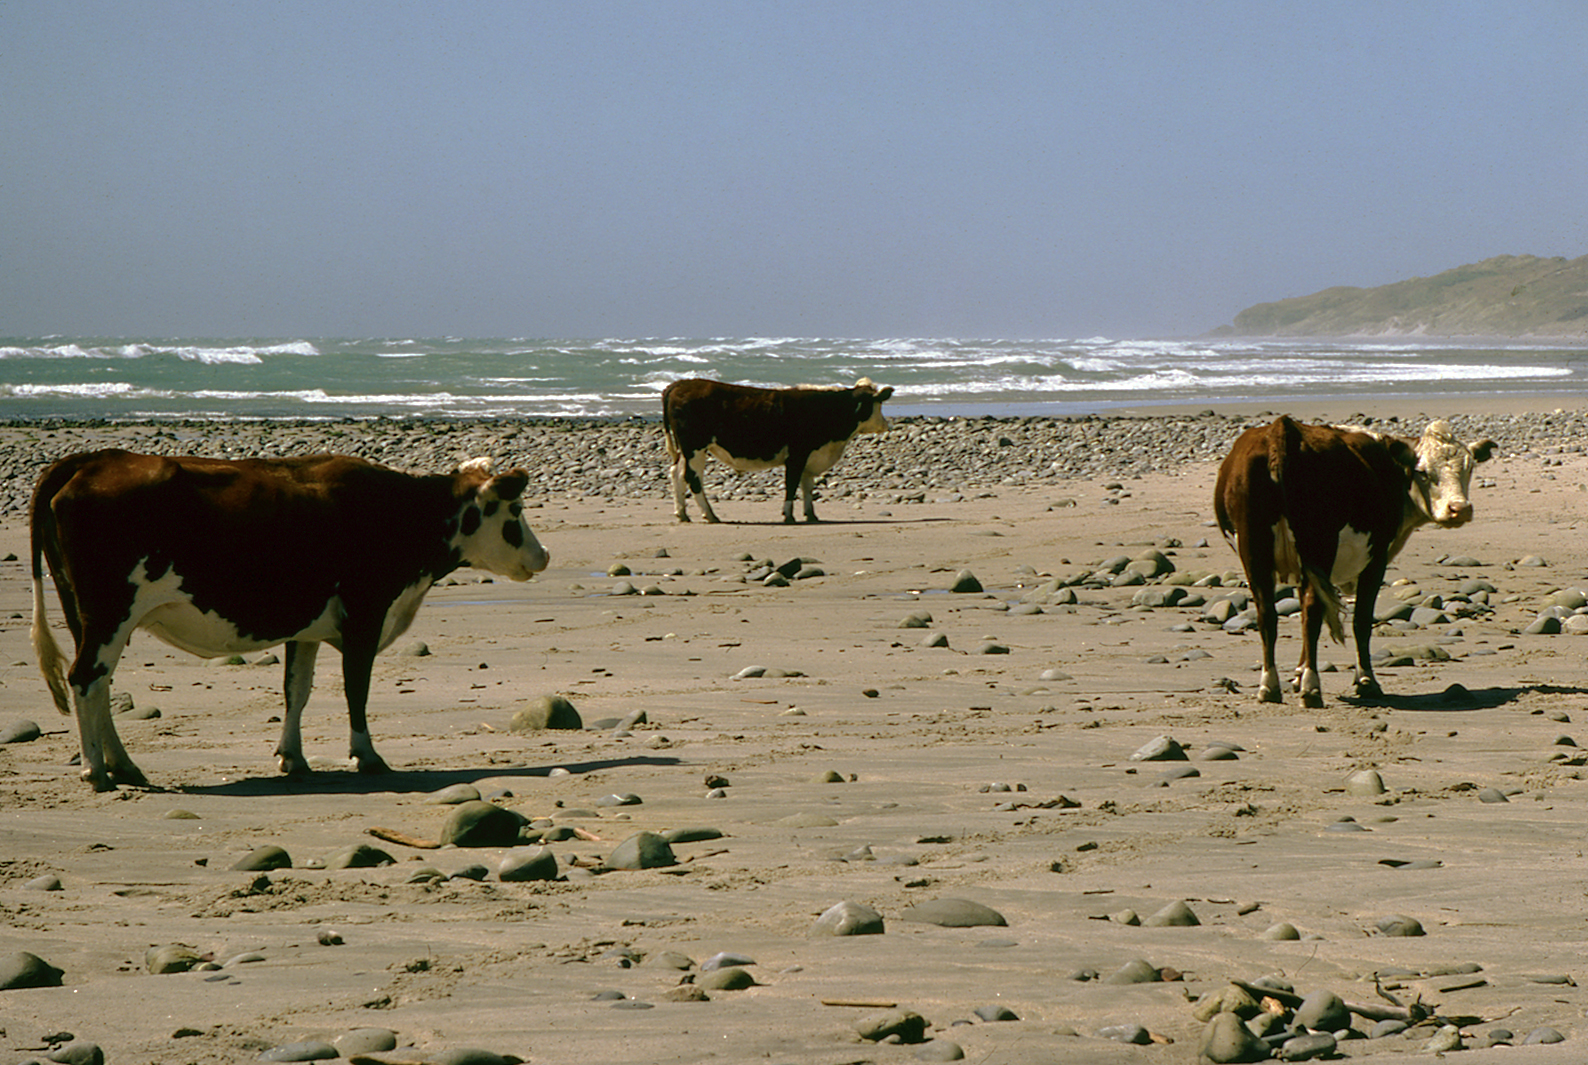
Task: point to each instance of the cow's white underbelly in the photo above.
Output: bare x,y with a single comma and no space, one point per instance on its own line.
164,610
1351,554
744,465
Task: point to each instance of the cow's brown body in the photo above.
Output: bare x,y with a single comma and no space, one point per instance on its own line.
220,557
1328,508
804,430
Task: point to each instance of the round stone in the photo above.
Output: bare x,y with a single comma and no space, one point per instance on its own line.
263,859
909,1026
23,969
849,919
643,850
1226,1039
546,712
528,863
481,824
953,913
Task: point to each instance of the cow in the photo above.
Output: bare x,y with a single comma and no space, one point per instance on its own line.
219,557
1327,508
804,430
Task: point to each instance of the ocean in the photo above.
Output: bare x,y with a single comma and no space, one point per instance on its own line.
129,378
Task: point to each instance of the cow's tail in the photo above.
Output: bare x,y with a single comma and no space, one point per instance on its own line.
52,662
1284,447
669,431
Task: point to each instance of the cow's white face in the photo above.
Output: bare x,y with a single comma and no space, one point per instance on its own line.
875,422
492,533
1444,474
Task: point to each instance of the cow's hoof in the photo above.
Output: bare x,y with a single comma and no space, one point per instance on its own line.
295,768
371,764
683,518
1369,689
711,519
1312,700
128,774
99,780
1270,695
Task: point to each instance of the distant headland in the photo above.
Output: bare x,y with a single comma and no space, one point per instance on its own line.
1506,296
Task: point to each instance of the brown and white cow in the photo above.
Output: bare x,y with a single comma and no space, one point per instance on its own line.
1327,508
220,557
804,430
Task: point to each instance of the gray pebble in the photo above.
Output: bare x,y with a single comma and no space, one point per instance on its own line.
729,979
263,859
920,619
453,795
625,799
1126,1033
965,581
528,863
1445,1040
724,960
474,871
1492,795
1280,932
1542,1035
953,913
23,731
643,850
1137,971
1399,925
546,712
481,824
171,958
940,1050
473,1056
992,1014
1175,915
1307,1047
692,835
1387,1027
907,1025
360,856
306,1050
1226,1039
1160,749
78,1052
1365,783
23,969
47,882
1323,1011
848,919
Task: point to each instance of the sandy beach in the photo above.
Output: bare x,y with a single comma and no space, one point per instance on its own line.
809,746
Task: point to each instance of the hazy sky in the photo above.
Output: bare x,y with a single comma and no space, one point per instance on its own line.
849,169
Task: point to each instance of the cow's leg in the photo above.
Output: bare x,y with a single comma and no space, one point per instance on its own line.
677,473
694,466
358,661
793,477
1367,586
106,762
297,682
808,490
1257,558
1307,682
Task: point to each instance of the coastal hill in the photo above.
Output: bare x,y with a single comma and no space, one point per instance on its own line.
1508,295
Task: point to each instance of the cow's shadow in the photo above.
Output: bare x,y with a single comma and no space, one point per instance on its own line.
400,781
1458,699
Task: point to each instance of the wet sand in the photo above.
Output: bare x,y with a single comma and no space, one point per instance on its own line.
923,741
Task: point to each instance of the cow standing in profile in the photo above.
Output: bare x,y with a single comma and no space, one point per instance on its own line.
220,557
804,430
1328,508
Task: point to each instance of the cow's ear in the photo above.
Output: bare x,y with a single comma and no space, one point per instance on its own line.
1402,452
1483,450
884,394
509,485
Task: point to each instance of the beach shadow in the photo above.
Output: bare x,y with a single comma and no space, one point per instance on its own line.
1459,699
838,522
399,781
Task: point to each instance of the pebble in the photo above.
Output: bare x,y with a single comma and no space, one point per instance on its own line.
1307,1047
1399,925
360,856
848,919
305,1050
1492,795
965,582
473,1056
1542,1035
546,712
953,913
1280,932
263,860
23,969
454,795
1175,915
940,1050
171,958
1226,1039
1137,971
47,882
1323,1011
1365,783
1445,1040
643,850
481,824
907,1025
528,863
1126,1033
731,978
1160,749
79,1052
692,835
23,731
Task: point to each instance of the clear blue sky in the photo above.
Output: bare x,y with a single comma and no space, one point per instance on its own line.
574,169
